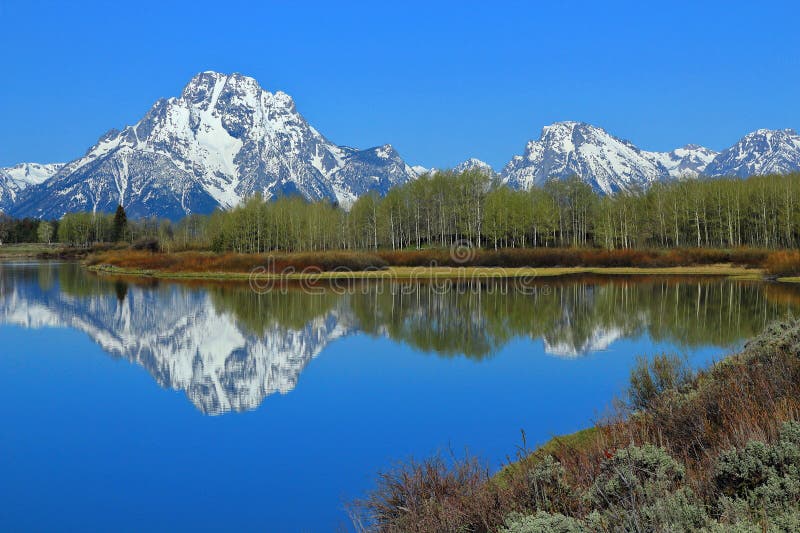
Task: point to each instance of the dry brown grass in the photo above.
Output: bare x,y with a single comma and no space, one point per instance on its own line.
578,257
207,262
783,263
203,262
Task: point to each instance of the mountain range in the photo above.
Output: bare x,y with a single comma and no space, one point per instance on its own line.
226,138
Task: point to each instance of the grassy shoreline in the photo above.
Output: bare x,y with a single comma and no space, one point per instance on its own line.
426,264
431,264
27,251
466,273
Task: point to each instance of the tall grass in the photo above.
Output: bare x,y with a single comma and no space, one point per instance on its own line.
235,263
783,263
143,256
577,257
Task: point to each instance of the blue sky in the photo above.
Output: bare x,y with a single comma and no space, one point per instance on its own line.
441,81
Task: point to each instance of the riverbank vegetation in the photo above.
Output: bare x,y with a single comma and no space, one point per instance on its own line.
563,223
447,209
715,450
145,257
467,219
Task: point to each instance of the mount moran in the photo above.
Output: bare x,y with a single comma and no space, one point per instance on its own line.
225,138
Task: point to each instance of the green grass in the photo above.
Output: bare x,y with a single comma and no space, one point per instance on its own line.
18,251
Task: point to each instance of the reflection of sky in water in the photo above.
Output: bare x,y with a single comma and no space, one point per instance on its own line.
91,442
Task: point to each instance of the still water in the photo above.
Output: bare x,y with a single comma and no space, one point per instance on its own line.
166,406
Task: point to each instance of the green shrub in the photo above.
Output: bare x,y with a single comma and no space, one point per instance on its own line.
543,522
549,490
681,510
639,488
649,379
635,475
766,477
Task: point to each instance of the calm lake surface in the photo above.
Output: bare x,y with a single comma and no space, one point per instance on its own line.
166,406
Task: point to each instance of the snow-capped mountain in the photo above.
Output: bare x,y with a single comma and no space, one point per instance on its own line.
565,149
470,164
757,153
689,161
223,139
15,179
475,164
32,173
610,164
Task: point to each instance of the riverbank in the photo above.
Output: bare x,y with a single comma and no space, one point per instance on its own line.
25,251
15,252
458,273
714,450
433,264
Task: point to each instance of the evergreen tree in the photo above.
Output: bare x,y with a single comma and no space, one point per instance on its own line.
120,224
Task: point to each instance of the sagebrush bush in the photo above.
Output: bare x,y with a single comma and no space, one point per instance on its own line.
633,486
762,475
548,486
651,378
543,522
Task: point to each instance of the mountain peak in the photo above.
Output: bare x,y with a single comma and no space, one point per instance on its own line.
761,152
14,180
768,132
567,128
474,163
570,148
223,139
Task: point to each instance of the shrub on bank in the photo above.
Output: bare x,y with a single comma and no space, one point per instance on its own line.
783,263
146,259
652,378
714,451
543,522
574,257
777,263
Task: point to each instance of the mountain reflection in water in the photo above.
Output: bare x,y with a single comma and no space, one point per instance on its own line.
229,348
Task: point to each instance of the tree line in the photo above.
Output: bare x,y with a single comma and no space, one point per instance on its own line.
25,230
447,207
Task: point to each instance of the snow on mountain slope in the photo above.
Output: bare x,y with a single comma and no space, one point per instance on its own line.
374,169
224,138
565,149
15,179
32,173
475,164
689,161
419,170
760,152
470,164
610,164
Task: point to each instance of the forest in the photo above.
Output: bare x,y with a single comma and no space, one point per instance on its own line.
446,208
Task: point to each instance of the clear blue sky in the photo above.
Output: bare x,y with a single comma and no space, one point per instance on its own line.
440,82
